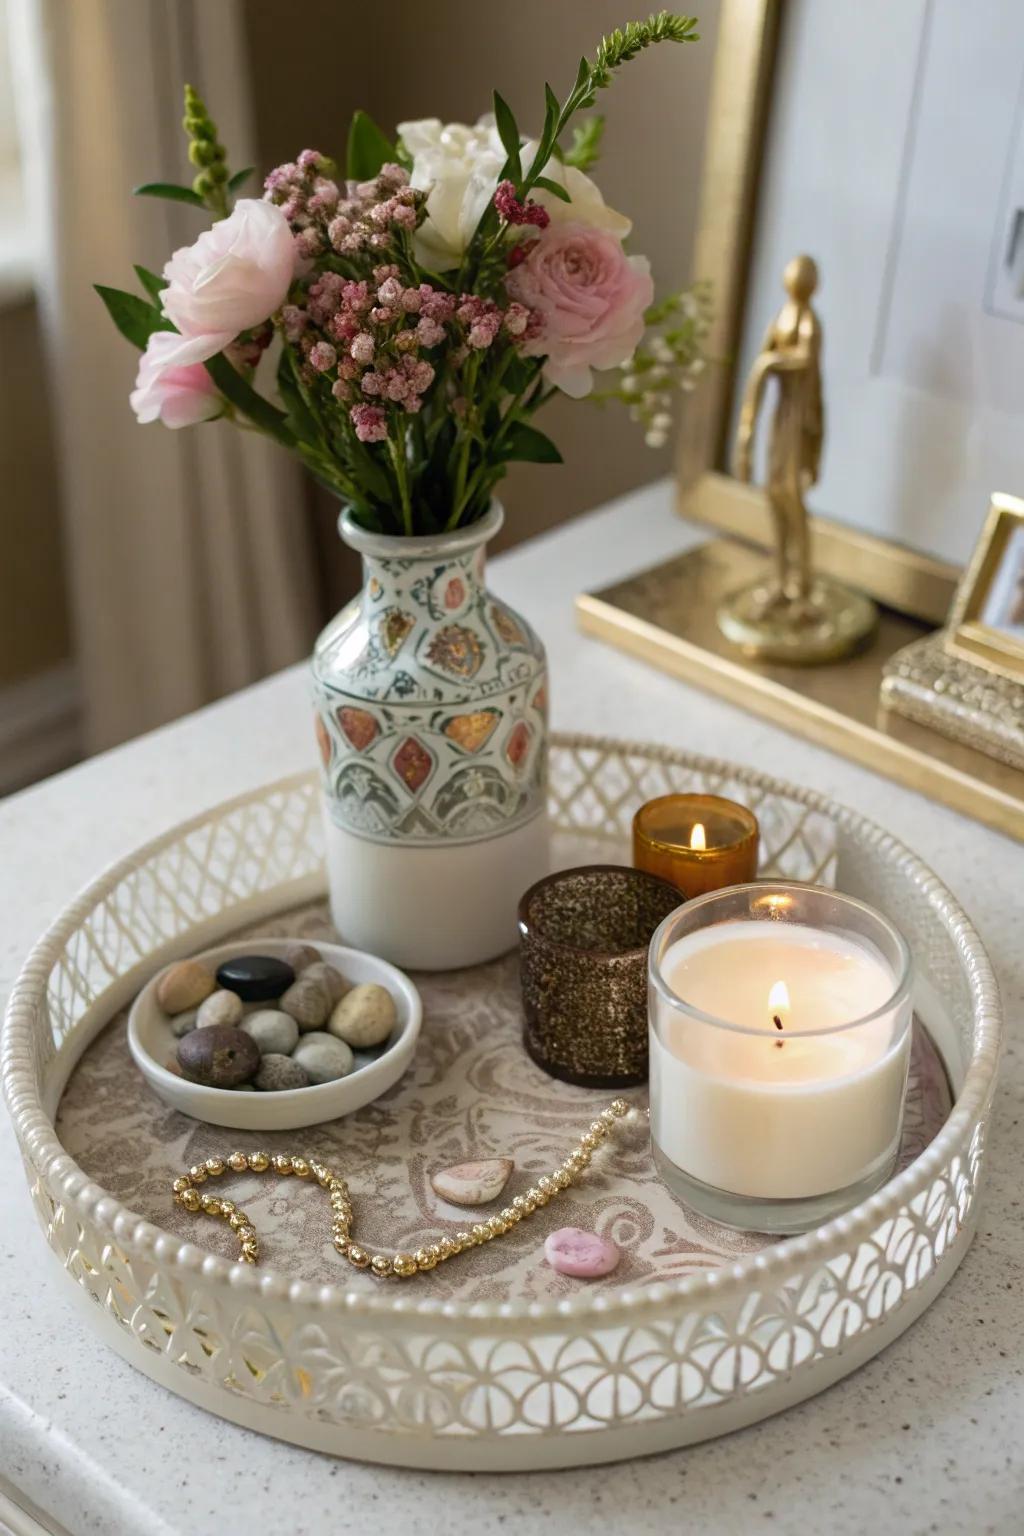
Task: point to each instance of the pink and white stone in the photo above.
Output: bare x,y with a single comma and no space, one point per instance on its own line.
472,1183
585,1255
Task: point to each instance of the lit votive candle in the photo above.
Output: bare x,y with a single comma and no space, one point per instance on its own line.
697,842
780,1026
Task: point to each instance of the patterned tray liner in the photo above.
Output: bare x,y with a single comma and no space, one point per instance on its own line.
471,1091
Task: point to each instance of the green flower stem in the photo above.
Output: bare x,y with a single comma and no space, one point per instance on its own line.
397,453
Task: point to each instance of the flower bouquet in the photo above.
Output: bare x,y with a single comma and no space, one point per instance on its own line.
423,309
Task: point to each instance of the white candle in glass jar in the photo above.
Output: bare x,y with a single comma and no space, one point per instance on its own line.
782,1074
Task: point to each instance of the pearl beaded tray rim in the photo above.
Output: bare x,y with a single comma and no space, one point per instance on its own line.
637,1369
151,1041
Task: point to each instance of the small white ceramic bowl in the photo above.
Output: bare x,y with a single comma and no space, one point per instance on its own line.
152,1043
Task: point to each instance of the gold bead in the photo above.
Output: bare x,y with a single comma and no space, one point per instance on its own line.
588,1143
380,1264
481,1233
424,1259
358,1256
215,1166
598,1130
237,1219
180,1185
246,1234
324,1177
301,1168
619,1107
259,1162
496,1226
445,1248
537,1195
197,1173
524,1205
246,1258
608,1117
545,1185
560,1179
341,1242
190,1199
238,1162
403,1264
510,1216
464,1240
227,1207
282,1162
211,1205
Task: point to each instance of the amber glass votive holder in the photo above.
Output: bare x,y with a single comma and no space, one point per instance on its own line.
699,843
583,940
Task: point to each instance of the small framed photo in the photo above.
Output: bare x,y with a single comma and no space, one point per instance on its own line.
986,622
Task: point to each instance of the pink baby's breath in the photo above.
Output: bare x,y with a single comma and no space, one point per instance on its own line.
370,422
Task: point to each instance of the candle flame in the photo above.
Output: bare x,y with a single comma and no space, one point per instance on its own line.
697,838
778,998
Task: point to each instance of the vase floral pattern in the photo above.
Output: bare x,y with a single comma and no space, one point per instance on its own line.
431,697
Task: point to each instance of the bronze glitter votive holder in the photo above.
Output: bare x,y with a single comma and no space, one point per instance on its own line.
583,940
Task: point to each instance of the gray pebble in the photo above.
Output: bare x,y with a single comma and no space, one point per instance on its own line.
330,977
183,1023
299,956
275,1033
220,1008
323,1057
278,1072
308,1002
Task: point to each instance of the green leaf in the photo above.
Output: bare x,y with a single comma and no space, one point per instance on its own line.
527,444
553,188
169,190
586,143
240,178
245,399
134,318
300,417
367,149
153,285
508,132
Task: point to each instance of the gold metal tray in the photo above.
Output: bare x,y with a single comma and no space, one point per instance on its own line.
666,616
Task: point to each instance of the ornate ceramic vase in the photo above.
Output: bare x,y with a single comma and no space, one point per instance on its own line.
431,717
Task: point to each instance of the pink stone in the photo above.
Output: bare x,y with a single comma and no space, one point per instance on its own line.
571,1251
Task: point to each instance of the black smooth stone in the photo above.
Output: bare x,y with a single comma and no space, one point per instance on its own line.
255,978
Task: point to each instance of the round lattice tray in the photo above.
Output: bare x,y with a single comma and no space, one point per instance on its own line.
490,1362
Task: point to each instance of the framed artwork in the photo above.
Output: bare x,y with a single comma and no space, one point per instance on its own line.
831,133
987,622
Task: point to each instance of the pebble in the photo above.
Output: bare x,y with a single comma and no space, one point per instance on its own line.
183,1023
255,978
275,1033
277,1072
473,1183
323,1057
585,1255
220,1057
184,985
220,1008
330,977
308,1002
299,956
365,1016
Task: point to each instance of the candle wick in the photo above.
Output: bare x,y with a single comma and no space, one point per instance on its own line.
776,1021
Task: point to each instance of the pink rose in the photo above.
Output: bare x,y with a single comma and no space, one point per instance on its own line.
234,277
588,298
178,394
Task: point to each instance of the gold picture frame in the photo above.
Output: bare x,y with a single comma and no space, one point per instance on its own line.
992,590
902,578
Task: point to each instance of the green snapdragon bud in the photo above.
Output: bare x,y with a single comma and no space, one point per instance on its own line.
206,153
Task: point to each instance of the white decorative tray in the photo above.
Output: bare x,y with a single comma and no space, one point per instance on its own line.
490,1362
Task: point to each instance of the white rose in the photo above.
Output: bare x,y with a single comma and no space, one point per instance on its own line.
458,166
586,205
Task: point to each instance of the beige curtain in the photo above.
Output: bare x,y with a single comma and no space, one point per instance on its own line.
188,552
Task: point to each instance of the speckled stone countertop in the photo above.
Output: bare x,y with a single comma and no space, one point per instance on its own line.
928,1437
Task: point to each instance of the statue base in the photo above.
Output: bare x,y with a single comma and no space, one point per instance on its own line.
829,622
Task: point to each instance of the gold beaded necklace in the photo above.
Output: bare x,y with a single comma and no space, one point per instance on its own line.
404,1265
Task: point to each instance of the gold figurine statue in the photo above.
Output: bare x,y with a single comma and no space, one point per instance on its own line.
791,615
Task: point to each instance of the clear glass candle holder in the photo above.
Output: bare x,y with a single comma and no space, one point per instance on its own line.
780,1025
